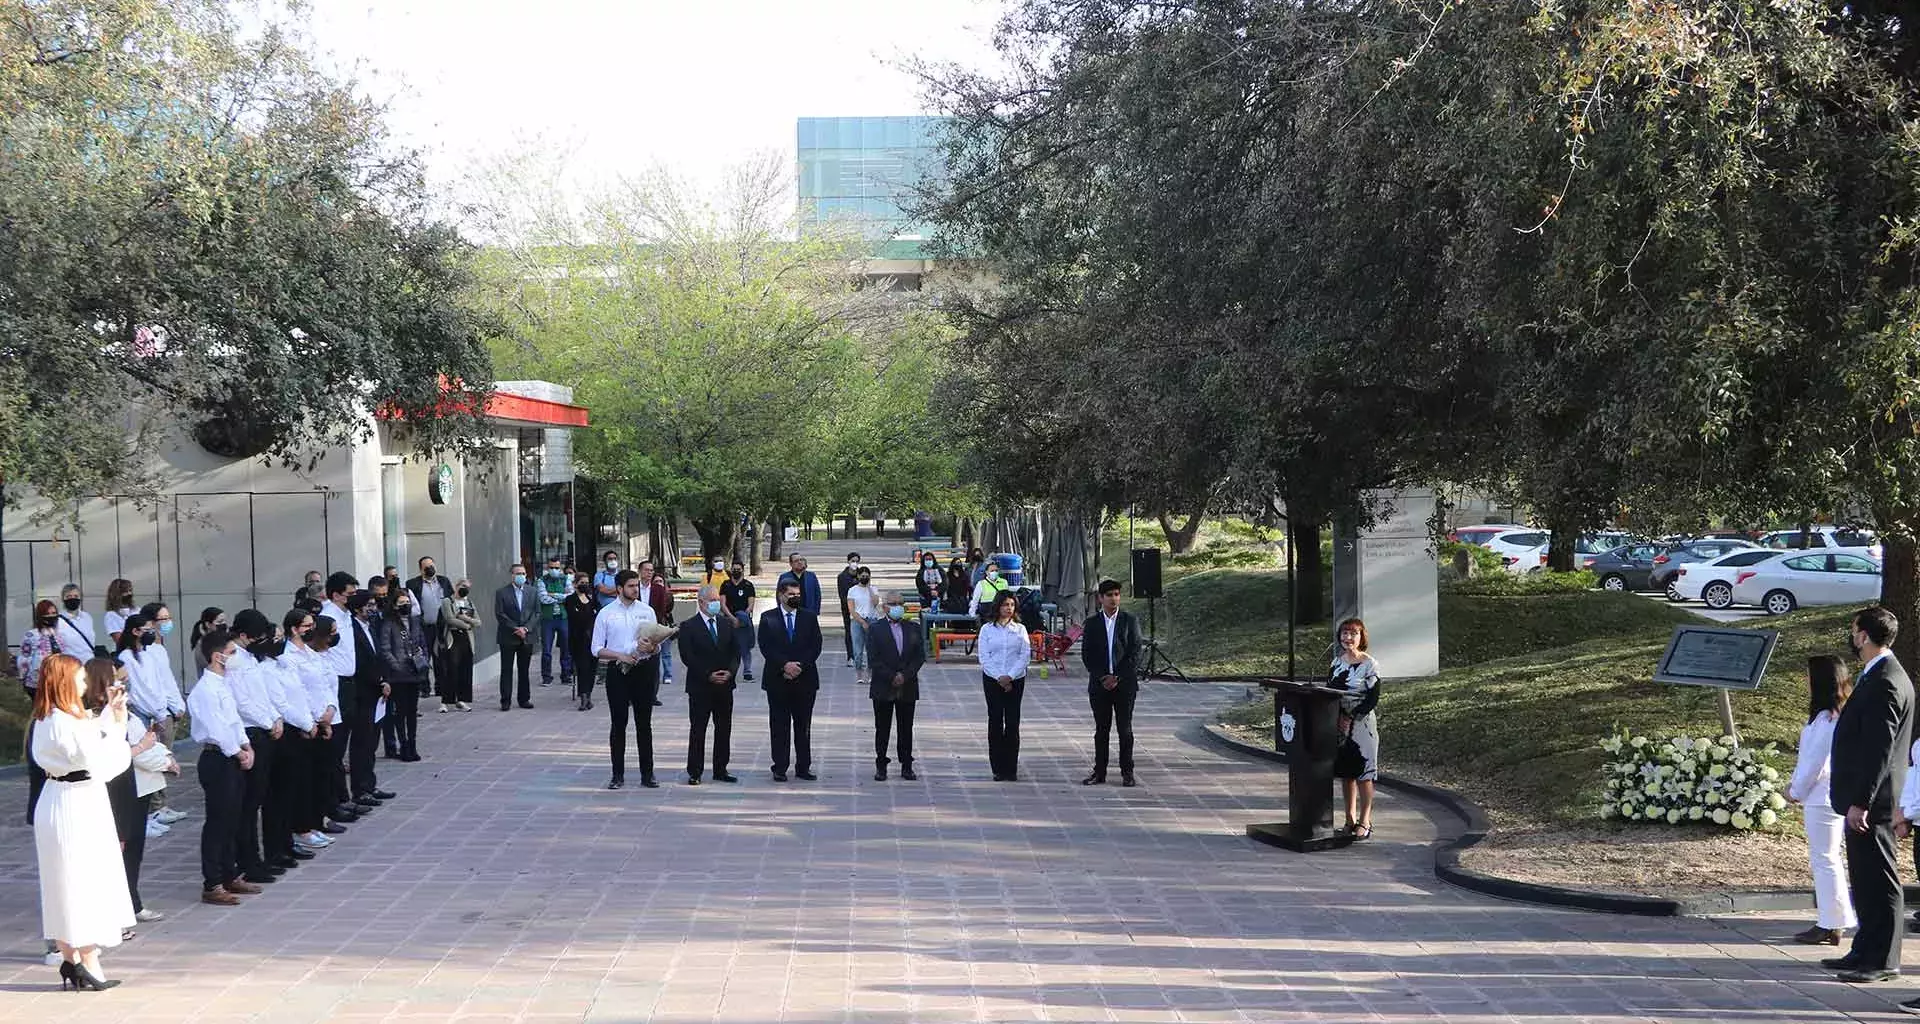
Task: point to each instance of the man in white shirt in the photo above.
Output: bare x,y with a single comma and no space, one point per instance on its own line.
1110,652
252,693
341,661
632,674
226,756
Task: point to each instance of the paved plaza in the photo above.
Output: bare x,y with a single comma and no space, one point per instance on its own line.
505,884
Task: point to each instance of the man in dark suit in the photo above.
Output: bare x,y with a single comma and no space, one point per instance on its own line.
798,572
710,657
1870,744
369,686
1110,650
517,610
790,651
895,652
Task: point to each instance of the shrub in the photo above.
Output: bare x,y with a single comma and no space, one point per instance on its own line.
1676,779
1506,584
1485,561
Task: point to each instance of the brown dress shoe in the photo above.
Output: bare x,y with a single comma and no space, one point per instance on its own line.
219,897
242,887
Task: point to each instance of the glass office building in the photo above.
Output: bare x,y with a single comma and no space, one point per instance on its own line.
864,171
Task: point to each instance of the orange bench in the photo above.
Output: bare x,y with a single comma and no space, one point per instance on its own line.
942,639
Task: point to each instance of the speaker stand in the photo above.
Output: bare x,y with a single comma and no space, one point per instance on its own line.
1159,665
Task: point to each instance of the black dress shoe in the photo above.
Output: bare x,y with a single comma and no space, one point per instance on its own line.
1818,936
1127,781
648,782
273,868
506,705
1866,976
1840,963
615,783
806,776
393,754
260,877
658,703
779,776
693,780
363,804
880,774
332,829
364,808
1096,779
725,777
527,704
296,855
907,774
381,794
345,813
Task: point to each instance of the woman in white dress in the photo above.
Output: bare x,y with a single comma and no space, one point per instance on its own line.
84,904
1357,763
1005,651
1827,690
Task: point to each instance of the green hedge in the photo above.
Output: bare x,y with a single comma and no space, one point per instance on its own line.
1507,584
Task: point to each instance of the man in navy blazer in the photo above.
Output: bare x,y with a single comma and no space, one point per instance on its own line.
809,583
790,651
895,652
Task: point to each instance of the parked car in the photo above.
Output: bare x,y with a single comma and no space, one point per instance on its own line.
1826,538
1783,584
1712,581
1628,566
1521,551
1590,546
1480,534
1667,565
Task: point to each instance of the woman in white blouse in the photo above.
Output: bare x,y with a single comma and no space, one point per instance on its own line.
84,903
1005,651
862,609
1828,688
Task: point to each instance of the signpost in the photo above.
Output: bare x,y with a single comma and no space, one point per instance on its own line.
1718,657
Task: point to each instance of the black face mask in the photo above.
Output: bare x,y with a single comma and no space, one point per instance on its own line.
794,601
149,637
72,603
428,572
44,623
462,591
584,588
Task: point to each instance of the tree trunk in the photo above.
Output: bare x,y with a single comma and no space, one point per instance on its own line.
6,630
716,540
753,548
1180,541
853,525
1312,570
776,537
966,533
1562,536
1900,590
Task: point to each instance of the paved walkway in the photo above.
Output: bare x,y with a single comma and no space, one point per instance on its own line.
504,884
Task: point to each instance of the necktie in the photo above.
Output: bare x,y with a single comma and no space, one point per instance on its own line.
713,632
899,638
789,627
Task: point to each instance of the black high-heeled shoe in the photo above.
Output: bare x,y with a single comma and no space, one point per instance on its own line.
83,980
66,975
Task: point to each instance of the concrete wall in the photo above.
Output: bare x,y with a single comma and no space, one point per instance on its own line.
490,504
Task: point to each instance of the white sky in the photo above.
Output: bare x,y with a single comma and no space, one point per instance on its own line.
693,84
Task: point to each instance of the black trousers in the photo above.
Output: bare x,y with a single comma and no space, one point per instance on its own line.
585,665
363,741
404,712
710,704
390,727
1878,901
518,658
1003,726
790,715
292,787
888,714
256,799
1112,708
130,823
456,670
224,784
630,688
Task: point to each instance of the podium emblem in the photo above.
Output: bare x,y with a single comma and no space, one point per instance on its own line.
1286,726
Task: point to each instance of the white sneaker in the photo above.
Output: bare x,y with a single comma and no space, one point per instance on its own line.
169,815
53,958
444,708
464,706
155,830
317,840
149,915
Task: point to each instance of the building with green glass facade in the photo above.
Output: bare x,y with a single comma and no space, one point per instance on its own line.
864,171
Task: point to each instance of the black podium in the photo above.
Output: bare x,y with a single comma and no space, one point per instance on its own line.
1306,727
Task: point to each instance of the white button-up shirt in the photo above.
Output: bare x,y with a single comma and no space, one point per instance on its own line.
617,627
1004,650
1113,626
250,691
341,656
288,694
215,715
76,629
317,680
151,689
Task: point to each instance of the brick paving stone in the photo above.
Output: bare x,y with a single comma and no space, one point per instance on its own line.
504,884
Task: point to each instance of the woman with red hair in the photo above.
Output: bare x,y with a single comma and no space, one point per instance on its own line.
84,903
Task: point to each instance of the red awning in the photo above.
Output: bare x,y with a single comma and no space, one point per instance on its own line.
522,411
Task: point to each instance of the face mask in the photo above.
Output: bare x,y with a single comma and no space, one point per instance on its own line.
863,579
993,574
718,567
401,606
44,623
714,607
928,564
166,628
584,588
428,572
519,578
853,563
72,603
148,636
794,601
612,565
896,612
462,591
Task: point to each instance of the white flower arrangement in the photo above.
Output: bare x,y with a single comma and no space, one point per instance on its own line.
1675,779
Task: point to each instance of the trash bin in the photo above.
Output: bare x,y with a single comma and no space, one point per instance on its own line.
1012,568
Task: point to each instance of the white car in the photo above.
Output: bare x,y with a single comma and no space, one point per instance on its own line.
1521,551
1712,581
1783,584
1826,538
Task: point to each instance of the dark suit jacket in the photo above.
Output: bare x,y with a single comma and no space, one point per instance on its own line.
809,589
702,656
776,650
885,660
1870,742
510,618
1126,652
369,669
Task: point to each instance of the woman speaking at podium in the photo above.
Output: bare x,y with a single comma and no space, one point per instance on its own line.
1357,763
